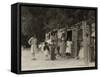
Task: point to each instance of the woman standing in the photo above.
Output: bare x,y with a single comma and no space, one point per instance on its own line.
33,42
62,45
53,46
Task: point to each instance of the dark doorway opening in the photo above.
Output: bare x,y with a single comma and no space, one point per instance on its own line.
69,35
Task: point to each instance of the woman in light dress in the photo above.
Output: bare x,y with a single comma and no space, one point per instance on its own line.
68,47
81,51
33,42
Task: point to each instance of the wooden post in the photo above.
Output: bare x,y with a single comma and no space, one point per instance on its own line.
74,42
86,41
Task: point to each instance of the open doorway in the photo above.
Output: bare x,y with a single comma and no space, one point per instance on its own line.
69,35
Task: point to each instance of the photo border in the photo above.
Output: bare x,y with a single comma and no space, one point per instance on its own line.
20,71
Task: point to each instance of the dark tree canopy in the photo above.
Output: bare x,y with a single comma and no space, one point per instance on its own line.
38,20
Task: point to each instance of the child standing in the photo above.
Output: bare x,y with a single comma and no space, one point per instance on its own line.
46,50
68,48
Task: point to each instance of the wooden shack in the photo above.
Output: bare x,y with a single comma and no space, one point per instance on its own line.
80,33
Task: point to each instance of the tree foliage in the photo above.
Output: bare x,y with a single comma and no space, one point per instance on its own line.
38,20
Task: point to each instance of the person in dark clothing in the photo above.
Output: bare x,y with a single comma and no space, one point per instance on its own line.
53,46
92,52
78,49
46,50
53,55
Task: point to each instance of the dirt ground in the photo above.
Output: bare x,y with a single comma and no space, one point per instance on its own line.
41,63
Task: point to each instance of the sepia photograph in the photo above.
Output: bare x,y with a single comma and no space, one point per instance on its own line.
57,37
